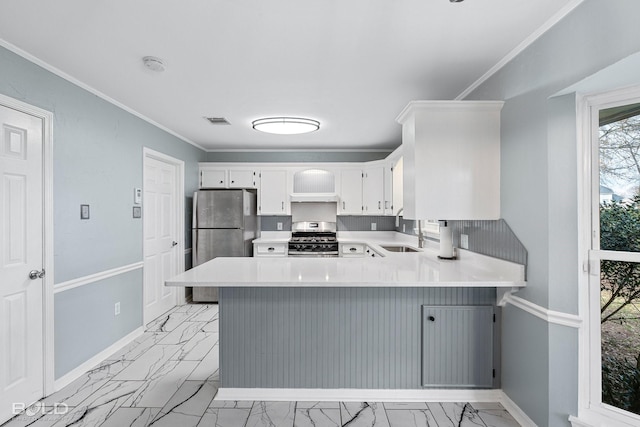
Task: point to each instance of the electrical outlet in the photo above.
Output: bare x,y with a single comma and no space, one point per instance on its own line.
117,308
374,226
279,226
464,241
404,227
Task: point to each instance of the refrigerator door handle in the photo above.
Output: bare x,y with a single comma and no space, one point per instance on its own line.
194,250
194,222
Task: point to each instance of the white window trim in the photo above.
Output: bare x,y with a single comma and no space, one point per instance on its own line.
591,410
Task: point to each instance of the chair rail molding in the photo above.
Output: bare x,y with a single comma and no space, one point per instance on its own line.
91,278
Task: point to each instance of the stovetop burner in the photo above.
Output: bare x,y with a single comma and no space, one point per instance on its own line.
313,239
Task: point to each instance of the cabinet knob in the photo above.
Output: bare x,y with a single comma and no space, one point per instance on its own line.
221,182
432,319
232,181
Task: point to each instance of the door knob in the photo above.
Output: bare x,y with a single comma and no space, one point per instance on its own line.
174,243
35,274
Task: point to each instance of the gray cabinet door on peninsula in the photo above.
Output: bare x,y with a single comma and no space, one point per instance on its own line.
457,346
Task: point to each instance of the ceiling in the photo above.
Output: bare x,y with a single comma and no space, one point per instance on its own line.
351,64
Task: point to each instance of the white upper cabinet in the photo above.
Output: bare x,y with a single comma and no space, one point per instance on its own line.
223,177
350,192
274,193
373,190
451,155
397,186
242,178
213,178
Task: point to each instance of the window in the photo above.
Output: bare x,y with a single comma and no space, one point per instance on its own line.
613,339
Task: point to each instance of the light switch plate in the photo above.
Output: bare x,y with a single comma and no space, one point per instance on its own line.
84,211
137,196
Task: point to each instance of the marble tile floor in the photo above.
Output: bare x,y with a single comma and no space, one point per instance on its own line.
169,377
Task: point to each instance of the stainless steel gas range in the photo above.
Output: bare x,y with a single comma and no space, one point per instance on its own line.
313,239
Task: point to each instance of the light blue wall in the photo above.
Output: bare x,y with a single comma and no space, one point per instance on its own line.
539,192
97,160
92,308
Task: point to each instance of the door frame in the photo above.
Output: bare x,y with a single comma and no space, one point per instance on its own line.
48,335
149,153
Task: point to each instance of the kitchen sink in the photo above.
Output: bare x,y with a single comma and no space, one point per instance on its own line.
399,248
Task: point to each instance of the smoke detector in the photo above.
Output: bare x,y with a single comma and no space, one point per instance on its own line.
154,63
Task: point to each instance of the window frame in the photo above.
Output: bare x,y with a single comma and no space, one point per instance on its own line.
591,410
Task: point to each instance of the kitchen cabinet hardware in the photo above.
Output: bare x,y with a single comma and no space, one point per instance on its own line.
432,319
271,249
353,249
174,243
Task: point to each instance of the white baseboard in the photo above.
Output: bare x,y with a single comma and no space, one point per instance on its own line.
358,395
73,375
515,411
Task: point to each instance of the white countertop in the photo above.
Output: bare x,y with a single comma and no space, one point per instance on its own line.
421,269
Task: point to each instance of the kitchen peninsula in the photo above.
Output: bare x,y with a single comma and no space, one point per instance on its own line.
395,321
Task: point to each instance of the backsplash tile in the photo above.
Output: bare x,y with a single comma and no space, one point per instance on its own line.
492,238
270,222
363,223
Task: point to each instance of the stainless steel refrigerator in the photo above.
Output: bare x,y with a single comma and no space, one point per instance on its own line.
224,225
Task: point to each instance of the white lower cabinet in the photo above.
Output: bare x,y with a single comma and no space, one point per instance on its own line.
457,346
267,249
356,250
352,249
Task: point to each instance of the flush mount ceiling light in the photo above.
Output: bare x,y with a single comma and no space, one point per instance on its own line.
286,125
154,63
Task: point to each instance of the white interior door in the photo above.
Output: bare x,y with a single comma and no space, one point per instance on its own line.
161,248
21,256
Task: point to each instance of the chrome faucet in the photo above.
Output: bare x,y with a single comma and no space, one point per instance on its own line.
398,217
420,235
